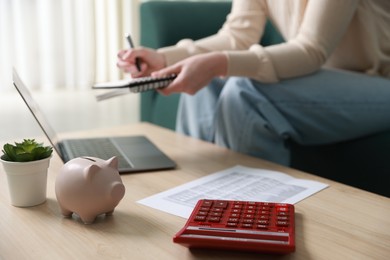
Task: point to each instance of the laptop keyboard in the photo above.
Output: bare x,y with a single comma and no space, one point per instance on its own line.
100,147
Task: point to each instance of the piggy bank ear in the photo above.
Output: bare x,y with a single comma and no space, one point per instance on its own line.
90,171
113,162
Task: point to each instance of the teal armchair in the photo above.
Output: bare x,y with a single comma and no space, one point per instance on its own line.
363,163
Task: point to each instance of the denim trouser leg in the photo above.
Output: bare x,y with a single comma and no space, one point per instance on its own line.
256,118
196,114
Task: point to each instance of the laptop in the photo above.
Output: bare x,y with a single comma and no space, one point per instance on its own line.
135,153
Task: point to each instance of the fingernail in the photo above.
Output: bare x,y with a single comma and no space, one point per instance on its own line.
126,55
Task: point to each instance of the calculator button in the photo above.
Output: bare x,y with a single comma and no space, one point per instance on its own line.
263,222
215,214
202,213
282,223
282,218
234,215
265,208
200,218
221,204
246,225
233,220
280,208
207,203
214,219
232,224
262,226
248,221
250,211
251,207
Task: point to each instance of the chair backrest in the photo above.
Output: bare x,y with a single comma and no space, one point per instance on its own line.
164,23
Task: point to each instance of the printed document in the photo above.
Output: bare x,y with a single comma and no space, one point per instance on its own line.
236,183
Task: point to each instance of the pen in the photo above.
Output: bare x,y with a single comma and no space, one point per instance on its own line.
131,45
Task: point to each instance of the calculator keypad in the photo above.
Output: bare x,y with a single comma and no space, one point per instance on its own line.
239,214
240,225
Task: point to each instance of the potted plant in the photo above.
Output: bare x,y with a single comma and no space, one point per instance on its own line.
26,166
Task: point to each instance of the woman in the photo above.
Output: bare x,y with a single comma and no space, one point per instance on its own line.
327,83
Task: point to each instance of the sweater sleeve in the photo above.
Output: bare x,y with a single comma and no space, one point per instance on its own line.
311,43
321,24
242,29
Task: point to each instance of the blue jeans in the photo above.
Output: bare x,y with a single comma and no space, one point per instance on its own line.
256,118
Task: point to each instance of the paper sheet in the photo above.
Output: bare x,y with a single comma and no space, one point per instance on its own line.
236,183
112,93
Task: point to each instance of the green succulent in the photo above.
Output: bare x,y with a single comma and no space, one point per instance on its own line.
26,151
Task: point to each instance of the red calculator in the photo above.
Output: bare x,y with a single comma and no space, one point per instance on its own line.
240,225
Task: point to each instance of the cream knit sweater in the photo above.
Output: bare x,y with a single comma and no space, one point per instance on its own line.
345,34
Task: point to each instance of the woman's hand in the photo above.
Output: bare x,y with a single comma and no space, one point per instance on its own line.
150,61
194,72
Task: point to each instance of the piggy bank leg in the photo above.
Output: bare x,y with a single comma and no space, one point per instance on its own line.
87,219
66,213
109,213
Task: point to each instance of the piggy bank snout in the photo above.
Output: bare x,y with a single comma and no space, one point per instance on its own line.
118,191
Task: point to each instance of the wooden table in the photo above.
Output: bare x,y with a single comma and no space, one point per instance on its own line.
339,222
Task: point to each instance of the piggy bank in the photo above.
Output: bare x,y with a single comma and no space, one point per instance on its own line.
89,187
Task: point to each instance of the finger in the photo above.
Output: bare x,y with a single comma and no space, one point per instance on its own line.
167,71
123,64
168,90
135,73
173,87
121,53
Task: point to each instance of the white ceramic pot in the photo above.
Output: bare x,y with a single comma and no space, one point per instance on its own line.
27,181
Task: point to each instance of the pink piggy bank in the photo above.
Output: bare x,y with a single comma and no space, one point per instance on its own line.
89,186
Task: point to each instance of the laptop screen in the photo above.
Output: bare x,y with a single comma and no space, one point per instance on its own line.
35,110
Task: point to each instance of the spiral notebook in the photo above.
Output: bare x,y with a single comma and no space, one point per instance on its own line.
135,85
